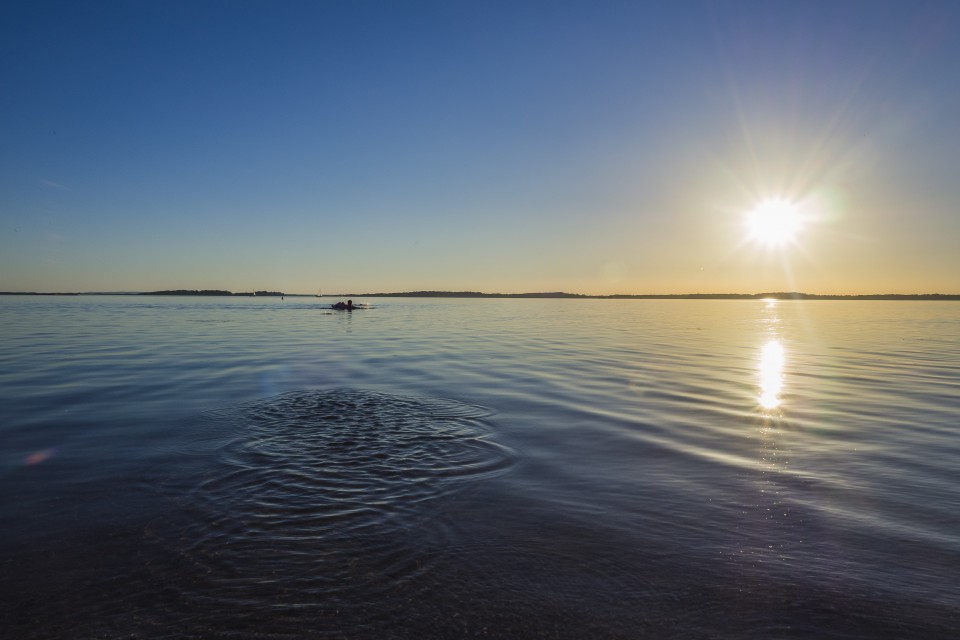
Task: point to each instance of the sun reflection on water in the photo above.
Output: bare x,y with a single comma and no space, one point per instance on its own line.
771,374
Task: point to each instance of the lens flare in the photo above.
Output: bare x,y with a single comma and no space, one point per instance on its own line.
37,457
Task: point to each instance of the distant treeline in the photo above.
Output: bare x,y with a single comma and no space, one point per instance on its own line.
875,296
779,295
208,292
462,294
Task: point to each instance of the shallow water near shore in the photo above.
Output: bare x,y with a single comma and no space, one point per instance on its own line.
441,468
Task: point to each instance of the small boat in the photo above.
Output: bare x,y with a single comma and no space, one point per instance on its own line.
340,306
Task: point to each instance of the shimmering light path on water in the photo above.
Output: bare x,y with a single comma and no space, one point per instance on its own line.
202,467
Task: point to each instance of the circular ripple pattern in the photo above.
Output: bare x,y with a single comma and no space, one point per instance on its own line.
309,503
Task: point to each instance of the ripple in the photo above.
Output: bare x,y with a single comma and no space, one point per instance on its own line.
309,503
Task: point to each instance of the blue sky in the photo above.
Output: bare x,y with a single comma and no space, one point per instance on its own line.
594,147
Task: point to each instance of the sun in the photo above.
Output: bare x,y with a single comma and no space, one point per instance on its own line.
774,222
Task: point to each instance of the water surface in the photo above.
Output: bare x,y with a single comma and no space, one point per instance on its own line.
223,468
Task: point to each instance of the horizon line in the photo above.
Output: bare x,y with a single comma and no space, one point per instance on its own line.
776,295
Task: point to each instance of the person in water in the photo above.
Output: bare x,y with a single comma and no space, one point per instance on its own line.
349,306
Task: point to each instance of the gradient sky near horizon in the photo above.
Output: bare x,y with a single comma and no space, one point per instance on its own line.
589,147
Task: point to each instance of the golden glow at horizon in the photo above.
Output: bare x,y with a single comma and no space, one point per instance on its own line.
771,374
774,221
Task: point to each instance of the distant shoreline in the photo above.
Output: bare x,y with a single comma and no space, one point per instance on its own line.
779,295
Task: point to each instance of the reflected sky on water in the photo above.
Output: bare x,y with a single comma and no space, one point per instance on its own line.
426,468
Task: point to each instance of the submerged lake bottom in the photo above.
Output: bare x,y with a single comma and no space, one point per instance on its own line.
196,468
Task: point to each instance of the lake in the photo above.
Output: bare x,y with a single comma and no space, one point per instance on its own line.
201,467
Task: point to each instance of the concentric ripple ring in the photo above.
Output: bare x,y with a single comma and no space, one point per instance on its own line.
308,500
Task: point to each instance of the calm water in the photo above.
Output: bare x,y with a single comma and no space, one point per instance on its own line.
239,468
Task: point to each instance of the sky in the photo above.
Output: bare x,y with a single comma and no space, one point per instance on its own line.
590,147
